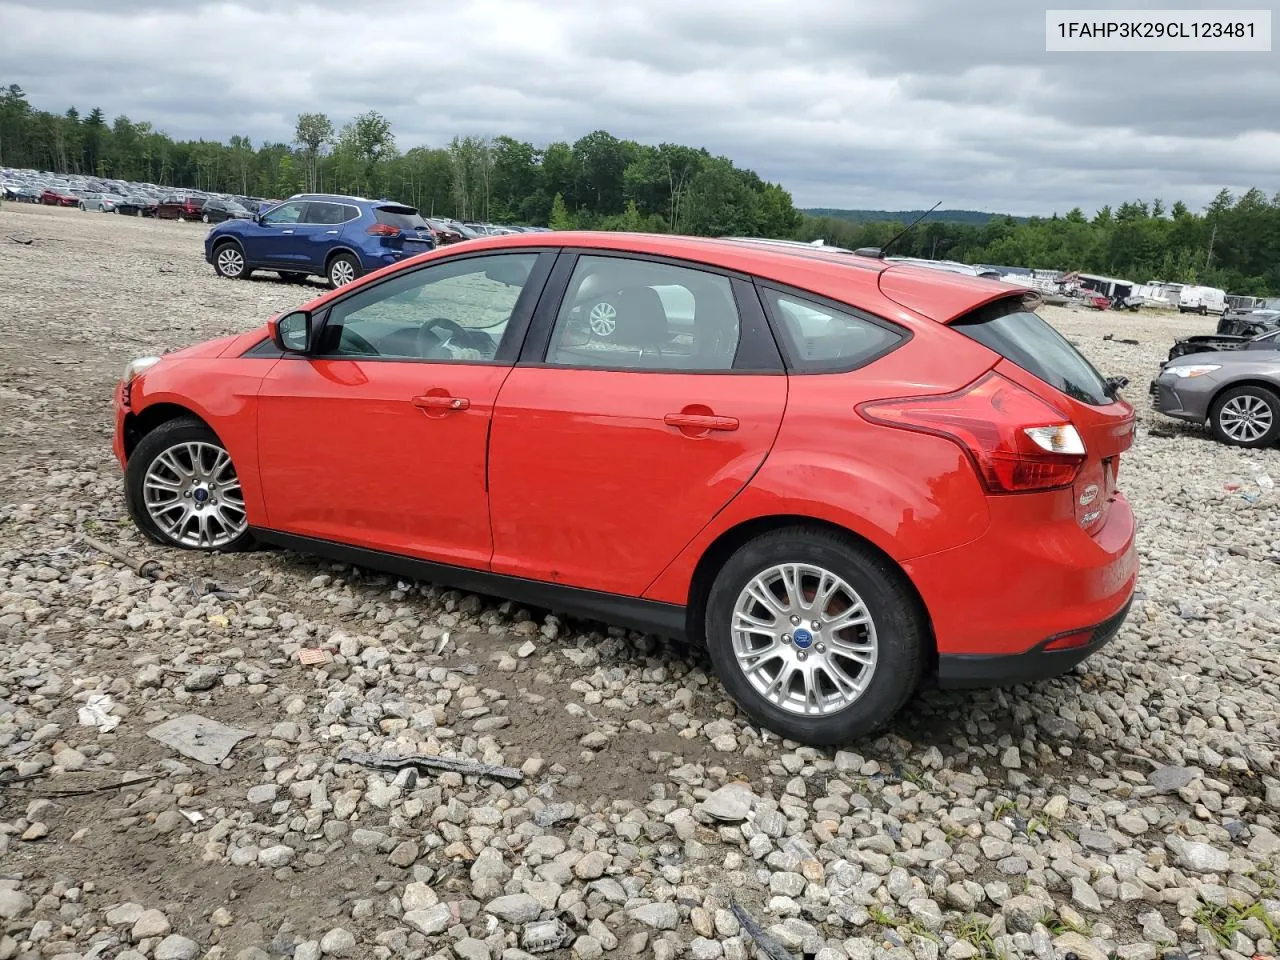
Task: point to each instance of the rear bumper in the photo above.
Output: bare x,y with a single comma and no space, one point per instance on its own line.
957,671
996,603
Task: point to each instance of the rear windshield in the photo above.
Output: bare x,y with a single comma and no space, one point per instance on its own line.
1021,337
406,218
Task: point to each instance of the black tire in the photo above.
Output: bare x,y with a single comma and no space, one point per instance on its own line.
1203,310
229,261
897,614
204,218
168,435
333,267
1246,395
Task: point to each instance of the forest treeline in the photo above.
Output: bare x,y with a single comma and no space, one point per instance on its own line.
602,182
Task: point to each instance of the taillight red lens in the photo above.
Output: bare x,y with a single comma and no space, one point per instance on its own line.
383,230
1017,442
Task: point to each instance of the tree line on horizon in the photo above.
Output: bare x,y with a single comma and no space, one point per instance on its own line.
601,182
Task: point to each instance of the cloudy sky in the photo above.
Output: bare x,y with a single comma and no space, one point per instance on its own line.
849,103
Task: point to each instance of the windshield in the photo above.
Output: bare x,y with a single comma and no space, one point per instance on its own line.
1022,337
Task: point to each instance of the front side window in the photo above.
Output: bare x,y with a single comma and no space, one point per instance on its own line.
458,310
285,213
623,314
821,338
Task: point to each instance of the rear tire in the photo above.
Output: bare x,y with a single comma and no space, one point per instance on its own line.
182,490
204,218
342,269
851,679
1246,416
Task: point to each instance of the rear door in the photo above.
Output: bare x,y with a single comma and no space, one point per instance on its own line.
615,443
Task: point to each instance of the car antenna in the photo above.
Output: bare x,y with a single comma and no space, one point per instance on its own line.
879,252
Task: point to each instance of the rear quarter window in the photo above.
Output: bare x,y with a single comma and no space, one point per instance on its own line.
819,337
1024,338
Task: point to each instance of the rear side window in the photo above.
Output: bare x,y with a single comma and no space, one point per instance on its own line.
324,213
406,218
819,338
1021,337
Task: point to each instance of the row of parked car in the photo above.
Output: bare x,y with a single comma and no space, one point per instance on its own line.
149,200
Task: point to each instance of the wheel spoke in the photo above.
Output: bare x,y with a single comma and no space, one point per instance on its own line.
815,662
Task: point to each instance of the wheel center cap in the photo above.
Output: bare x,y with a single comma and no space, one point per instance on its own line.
803,638
199,494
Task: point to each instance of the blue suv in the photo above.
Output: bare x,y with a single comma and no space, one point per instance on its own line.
323,235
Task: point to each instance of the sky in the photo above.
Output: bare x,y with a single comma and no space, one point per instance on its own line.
847,103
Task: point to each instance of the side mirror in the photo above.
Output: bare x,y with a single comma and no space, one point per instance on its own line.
291,333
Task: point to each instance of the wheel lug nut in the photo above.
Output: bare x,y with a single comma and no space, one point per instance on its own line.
817,624
786,638
821,647
800,654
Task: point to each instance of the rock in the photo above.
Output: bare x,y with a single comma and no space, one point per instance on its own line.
431,920
1022,913
1083,896
13,904
1080,945
514,908
418,896
588,947
591,866
658,916
1170,779
202,678
262,793
174,947
731,803
151,923
1197,857
277,856
469,948
928,913
338,943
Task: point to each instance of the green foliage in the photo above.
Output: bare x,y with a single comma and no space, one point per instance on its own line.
1224,921
560,219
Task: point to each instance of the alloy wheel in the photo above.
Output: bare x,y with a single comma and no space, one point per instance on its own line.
1245,418
193,495
230,261
341,272
804,639
603,318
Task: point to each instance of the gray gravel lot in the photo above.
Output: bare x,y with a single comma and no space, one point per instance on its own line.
1129,809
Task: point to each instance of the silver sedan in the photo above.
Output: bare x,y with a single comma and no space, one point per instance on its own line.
1237,393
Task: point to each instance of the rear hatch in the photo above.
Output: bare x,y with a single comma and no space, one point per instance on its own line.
1039,359
401,228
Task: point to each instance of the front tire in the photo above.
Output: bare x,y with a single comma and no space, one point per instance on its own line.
815,636
229,262
1246,416
204,218
182,489
343,269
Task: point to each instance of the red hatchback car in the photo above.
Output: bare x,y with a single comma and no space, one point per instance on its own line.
839,475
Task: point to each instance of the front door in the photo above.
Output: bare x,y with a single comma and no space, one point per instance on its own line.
612,453
271,241
378,439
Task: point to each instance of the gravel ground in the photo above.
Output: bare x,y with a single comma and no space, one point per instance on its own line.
1129,809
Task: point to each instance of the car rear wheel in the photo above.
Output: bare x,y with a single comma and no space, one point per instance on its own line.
204,218
342,270
228,260
815,636
182,489
1246,416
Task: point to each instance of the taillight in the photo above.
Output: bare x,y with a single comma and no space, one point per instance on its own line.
383,230
1018,443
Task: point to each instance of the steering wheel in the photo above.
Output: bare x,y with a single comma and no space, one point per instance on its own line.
432,343
453,328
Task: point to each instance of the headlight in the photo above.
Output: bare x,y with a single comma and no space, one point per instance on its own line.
138,367
1193,370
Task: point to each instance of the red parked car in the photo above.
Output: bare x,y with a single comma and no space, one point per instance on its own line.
53,197
840,475
180,207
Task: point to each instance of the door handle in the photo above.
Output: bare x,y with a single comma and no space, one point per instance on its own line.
697,421
435,402
331,231
286,231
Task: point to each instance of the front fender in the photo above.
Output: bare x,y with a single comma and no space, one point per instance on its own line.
223,393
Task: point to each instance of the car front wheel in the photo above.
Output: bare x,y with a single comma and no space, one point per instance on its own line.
204,218
816,637
182,489
1246,416
228,260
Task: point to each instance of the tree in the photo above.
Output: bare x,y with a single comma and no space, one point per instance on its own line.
560,219
365,142
312,132
242,154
